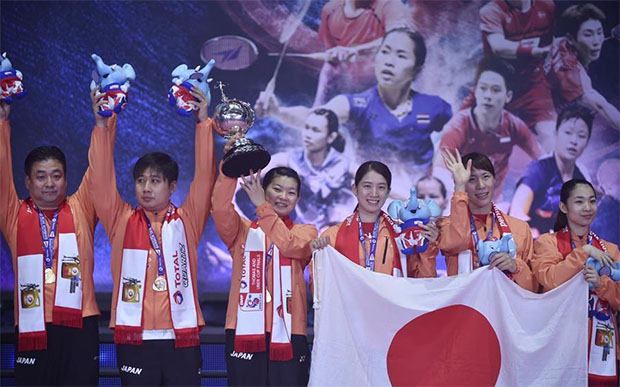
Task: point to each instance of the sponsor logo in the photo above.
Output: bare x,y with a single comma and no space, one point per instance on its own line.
131,290
423,118
253,302
228,55
360,102
181,275
244,284
30,296
349,220
178,297
26,360
242,355
131,370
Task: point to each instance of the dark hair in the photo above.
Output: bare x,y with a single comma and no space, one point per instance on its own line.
419,46
281,171
479,161
496,65
43,153
561,220
576,111
574,16
158,162
442,187
332,126
375,166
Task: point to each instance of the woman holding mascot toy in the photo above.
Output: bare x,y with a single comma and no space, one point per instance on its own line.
477,233
575,248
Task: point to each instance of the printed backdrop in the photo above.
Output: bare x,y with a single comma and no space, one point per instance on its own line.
51,43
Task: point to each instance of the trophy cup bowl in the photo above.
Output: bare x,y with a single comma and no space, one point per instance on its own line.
233,118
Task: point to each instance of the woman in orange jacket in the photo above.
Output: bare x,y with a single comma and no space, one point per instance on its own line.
367,237
266,318
563,254
474,220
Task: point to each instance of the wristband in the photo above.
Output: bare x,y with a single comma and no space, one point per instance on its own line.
524,50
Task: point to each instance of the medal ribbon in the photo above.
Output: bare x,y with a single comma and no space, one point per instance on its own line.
267,260
497,217
48,239
370,257
593,306
155,243
474,231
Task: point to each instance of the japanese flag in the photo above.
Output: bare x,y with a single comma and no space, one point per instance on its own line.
478,329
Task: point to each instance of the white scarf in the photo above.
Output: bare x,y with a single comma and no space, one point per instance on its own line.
131,290
250,329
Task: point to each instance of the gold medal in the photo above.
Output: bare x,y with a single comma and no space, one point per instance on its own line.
50,277
267,296
159,285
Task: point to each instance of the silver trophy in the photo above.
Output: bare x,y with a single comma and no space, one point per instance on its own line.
233,118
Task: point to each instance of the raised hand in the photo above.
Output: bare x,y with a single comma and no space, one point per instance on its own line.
201,104
252,186
460,173
98,99
5,110
266,105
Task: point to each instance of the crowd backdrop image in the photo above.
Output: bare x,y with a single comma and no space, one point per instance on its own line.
331,91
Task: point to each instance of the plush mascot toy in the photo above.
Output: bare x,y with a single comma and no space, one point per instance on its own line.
184,79
114,82
488,248
613,273
10,81
413,213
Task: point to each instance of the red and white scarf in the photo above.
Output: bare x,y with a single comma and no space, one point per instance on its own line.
466,261
250,329
601,360
67,309
347,241
131,288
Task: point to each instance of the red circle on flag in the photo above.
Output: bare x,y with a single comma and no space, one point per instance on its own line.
451,346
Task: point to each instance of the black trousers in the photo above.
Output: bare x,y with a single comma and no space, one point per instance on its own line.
255,369
71,357
158,363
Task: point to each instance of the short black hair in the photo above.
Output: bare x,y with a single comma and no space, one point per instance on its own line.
282,171
419,46
158,162
576,111
43,153
574,16
479,161
375,166
496,65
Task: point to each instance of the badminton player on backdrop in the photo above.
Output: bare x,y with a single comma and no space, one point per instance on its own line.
567,66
